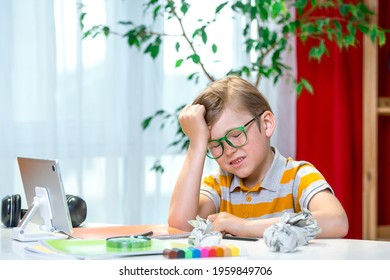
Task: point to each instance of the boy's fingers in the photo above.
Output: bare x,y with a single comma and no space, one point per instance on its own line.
185,109
212,217
194,109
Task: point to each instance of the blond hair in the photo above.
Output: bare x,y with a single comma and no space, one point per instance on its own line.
231,91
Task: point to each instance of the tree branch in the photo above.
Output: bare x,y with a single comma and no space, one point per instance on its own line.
184,34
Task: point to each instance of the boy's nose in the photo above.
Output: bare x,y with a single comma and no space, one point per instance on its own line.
229,149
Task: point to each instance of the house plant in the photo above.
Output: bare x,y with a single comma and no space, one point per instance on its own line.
268,26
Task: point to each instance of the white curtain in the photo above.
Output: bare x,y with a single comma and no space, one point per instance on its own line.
83,101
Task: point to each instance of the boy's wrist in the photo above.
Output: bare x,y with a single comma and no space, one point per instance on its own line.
199,145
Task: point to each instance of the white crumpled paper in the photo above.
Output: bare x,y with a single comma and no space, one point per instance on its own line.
202,234
293,230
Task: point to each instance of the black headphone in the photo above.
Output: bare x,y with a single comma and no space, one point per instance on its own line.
11,211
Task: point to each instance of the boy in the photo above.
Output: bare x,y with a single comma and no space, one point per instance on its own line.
232,122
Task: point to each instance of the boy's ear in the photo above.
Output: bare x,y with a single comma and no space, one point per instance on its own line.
269,123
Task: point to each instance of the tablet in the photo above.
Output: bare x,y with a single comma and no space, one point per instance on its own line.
45,173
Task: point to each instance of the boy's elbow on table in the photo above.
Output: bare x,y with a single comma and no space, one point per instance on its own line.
173,221
337,228
343,227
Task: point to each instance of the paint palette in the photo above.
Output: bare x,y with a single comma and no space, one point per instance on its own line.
228,250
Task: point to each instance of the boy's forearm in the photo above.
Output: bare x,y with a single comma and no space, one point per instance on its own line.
228,223
332,226
185,198
256,228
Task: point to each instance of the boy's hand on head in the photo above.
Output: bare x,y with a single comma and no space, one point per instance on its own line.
228,223
193,123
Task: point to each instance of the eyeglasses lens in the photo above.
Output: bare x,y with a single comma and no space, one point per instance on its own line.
235,138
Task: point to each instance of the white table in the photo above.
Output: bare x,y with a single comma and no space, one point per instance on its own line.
318,249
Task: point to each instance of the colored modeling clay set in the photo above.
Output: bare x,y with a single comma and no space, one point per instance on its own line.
228,250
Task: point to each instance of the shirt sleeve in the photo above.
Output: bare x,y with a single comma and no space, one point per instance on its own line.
210,188
310,182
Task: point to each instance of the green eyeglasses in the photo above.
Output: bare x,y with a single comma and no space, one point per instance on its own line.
235,137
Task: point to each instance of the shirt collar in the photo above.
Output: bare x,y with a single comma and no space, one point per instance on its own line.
271,179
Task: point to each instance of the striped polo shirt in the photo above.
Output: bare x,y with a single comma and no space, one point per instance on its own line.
288,187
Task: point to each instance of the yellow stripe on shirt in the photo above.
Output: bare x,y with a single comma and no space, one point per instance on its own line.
277,205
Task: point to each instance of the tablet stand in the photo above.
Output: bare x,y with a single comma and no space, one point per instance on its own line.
41,201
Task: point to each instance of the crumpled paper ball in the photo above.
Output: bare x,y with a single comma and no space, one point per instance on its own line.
293,230
202,234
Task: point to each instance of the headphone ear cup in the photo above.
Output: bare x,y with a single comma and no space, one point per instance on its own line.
6,210
10,210
77,209
17,203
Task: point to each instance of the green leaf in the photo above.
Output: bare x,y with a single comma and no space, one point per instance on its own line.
363,28
286,29
303,37
276,79
300,5
214,48
351,28
373,34
146,122
276,9
364,9
276,56
185,144
204,36
191,76
220,7
309,28
179,62
318,52
307,85
238,5
196,32
253,13
349,40
246,70
159,112
106,30
184,7
82,16
263,13
382,38
155,12
293,26
195,58
157,167
125,22
153,50
340,42
133,40
337,25
344,9
299,88
246,30
177,46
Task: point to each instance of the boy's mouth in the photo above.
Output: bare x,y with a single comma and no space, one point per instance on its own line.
237,161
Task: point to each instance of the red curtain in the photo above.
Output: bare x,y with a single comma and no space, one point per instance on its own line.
329,123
